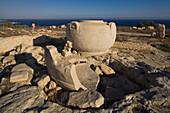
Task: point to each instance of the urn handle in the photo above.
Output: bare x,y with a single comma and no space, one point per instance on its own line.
74,26
112,26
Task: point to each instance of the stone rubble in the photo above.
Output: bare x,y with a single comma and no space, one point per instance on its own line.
138,80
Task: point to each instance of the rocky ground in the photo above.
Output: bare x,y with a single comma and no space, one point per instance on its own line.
134,76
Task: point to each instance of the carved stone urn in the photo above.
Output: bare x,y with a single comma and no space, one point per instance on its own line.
91,37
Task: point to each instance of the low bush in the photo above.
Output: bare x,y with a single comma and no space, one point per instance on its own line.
147,23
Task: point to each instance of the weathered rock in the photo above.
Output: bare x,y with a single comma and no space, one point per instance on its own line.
67,49
83,99
98,71
160,31
66,53
50,107
113,93
22,67
151,27
134,27
9,59
153,34
54,27
21,99
52,85
63,26
42,81
107,70
19,76
131,58
21,73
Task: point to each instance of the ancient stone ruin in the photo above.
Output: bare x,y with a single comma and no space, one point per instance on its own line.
57,75
160,31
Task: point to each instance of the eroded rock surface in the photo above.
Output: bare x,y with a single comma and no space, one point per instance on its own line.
83,99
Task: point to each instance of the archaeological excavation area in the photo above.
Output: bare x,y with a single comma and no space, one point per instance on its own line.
91,66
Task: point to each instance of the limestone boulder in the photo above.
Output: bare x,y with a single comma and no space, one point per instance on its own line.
83,99
21,73
21,99
22,67
19,76
50,107
42,81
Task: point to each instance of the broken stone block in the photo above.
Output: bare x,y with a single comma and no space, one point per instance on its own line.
113,93
87,76
53,54
70,75
42,81
21,73
22,67
19,76
106,69
160,31
83,99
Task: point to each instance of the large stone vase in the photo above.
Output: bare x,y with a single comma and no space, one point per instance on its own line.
91,37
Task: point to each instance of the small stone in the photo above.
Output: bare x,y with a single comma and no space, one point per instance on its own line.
66,53
74,52
113,93
131,58
4,80
98,71
22,67
153,34
9,59
52,85
19,76
42,81
106,69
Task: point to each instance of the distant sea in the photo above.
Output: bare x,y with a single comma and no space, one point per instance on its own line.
58,22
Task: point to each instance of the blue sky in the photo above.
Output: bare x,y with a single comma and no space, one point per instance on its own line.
69,9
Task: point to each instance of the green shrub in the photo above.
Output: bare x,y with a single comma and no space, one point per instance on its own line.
7,24
165,47
167,36
147,23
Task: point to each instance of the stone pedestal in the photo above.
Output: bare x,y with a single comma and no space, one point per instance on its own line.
160,31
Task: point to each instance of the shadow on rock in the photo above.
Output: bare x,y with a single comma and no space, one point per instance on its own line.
46,40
